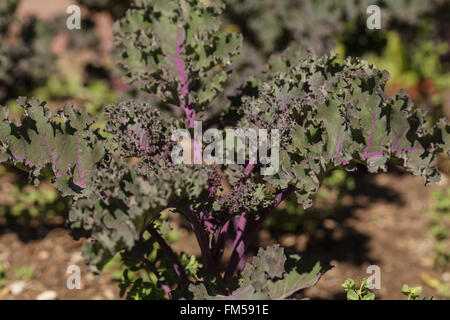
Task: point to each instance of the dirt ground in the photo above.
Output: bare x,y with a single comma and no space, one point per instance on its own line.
382,223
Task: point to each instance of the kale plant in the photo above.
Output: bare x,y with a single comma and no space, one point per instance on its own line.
124,184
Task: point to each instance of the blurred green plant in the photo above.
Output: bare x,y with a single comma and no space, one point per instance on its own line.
25,272
439,215
3,274
147,280
94,95
139,279
410,67
442,288
20,200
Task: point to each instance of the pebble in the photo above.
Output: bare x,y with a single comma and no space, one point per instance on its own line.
17,287
329,224
444,180
288,240
109,294
47,295
301,242
76,257
43,255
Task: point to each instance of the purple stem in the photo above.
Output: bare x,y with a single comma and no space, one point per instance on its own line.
283,107
202,239
219,243
394,149
397,140
373,154
28,163
186,107
178,60
44,137
249,168
341,132
252,228
240,224
190,114
80,183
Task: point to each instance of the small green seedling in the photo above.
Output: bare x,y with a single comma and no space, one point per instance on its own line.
413,293
363,293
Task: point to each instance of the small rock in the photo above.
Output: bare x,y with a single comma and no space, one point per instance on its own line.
17,287
446,276
444,180
301,242
90,277
329,224
109,294
288,240
47,295
43,255
338,234
265,238
76,257
426,261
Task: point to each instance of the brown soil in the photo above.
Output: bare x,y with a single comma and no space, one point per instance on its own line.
390,232
50,255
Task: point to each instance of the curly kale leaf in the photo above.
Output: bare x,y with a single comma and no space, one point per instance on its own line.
138,130
331,114
65,143
128,197
177,50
